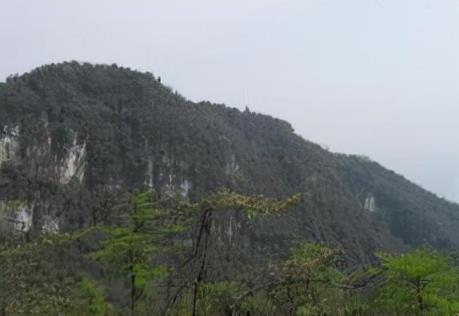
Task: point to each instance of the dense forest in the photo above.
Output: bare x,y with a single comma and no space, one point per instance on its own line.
118,196
157,257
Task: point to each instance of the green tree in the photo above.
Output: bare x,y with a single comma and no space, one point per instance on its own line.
309,283
131,248
422,282
34,279
254,205
89,300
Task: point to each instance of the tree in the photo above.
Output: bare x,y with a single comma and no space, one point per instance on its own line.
309,283
89,300
305,279
130,249
255,205
34,279
423,282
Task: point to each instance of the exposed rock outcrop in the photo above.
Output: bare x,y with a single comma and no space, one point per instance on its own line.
87,131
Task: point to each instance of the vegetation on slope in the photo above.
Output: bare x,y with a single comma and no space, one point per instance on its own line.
156,261
90,137
138,134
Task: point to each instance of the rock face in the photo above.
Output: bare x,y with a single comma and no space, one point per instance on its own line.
23,220
84,132
72,166
8,143
370,204
16,219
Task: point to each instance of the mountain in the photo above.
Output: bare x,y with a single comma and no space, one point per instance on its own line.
76,135
413,214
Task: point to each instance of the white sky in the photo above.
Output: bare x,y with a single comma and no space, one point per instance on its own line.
373,77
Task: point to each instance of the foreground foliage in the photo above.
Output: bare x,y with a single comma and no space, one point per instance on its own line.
421,282
160,257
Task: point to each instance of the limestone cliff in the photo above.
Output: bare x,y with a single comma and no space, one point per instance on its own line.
76,133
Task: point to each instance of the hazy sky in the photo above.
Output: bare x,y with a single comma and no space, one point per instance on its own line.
373,77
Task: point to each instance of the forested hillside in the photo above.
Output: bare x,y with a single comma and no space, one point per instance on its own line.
80,142
413,214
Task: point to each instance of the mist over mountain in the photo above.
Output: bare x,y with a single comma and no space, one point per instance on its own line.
388,68
72,132
119,196
229,158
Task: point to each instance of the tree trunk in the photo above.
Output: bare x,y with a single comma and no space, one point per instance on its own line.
204,233
419,296
133,292
195,297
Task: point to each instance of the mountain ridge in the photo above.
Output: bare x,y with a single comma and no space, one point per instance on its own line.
88,130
